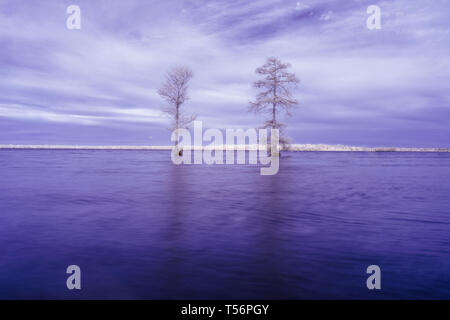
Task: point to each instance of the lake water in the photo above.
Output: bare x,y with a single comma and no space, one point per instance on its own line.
140,227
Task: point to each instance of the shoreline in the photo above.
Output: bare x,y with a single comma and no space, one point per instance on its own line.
292,147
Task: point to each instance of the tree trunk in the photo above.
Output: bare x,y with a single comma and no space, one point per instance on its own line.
274,112
177,124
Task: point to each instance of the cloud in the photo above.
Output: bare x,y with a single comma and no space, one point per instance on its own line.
108,72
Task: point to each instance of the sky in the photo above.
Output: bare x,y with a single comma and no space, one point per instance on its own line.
97,85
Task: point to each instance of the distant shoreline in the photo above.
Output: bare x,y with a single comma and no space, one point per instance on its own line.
293,147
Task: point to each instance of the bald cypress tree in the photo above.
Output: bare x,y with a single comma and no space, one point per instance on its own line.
275,95
174,92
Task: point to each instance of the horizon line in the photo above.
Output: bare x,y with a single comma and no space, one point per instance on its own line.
247,147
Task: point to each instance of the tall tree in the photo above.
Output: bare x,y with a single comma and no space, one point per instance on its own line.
275,93
174,92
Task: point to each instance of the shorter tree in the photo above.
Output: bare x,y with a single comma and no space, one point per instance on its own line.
275,95
174,92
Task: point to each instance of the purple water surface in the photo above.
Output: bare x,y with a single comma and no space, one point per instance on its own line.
141,227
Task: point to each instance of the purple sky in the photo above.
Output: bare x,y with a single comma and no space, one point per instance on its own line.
97,85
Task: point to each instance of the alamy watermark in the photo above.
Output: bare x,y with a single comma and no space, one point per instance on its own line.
258,148
374,280
74,280
74,20
374,20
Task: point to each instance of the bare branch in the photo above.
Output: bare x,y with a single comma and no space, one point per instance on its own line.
275,95
174,92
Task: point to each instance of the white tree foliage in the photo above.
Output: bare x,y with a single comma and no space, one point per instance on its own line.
174,92
275,93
